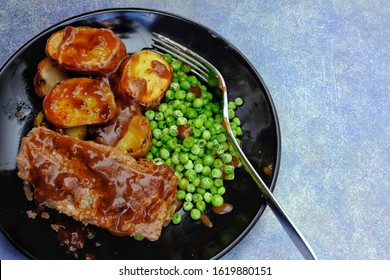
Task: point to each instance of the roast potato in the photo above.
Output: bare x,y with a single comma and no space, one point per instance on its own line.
39,119
144,76
79,132
86,50
138,138
47,76
79,101
129,131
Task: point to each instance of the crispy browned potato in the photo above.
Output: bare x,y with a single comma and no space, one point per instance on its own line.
138,138
144,76
79,101
129,131
86,50
47,76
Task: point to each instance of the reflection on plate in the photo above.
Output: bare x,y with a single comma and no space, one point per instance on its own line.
190,239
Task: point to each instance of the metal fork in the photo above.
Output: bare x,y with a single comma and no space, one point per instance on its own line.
206,71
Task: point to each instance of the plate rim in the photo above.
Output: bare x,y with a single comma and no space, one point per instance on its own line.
267,96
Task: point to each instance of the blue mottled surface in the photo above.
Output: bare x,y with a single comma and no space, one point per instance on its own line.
327,66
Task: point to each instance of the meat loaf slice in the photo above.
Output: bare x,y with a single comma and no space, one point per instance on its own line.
98,184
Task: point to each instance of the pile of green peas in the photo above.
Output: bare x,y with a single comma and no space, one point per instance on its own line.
187,134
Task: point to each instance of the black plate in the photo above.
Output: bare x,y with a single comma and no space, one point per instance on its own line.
189,240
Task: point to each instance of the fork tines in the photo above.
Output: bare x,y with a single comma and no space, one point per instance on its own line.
163,45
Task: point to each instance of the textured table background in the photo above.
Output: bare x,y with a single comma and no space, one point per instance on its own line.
327,66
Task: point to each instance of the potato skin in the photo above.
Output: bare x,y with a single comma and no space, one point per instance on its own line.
47,76
144,76
86,50
79,101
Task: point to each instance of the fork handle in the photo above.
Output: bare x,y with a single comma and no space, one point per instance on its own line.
292,230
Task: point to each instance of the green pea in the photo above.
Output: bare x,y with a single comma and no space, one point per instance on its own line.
239,131
202,143
200,190
188,197
184,159
175,159
149,155
208,160
164,153
154,150
167,57
188,142
195,149
156,133
217,200
176,104
161,124
174,86
197,197
153,124
206,182
170,94
197,103
216,173
206,135
185,84
198,167
221,138
231,114
198,123
218,128
193,80
229,176
196,182
218,182
208,123
200,205
181,194
238,101
172,143
217,163
150,114
189,165
228,169
177,113
236,121
196,133
181,121
183,183
232,105
176,218
227,158
221,190
173,131
187,206
176,65
158,143
165,138
207,197
219,149
191,113
180,94
206,170
195,214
